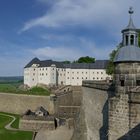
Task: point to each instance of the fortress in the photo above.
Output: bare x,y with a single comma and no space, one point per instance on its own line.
98,110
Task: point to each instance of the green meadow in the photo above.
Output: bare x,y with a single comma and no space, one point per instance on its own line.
12,134
14,88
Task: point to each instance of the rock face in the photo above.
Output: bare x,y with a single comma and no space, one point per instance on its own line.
92,123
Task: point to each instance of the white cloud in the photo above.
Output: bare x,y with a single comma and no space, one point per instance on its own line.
83,12
71,53
57,53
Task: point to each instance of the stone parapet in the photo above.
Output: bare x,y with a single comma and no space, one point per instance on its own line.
102,85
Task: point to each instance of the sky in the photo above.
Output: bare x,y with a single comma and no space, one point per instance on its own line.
60,30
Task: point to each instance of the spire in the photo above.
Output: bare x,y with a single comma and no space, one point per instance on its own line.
131,24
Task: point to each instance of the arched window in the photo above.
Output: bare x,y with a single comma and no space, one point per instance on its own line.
132,40
126,39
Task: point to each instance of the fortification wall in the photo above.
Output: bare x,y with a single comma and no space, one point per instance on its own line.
19,104
68,103
36,125
93,120
118,116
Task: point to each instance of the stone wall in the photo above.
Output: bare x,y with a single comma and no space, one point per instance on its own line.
67,104
36,125
118,116
92,122
19,104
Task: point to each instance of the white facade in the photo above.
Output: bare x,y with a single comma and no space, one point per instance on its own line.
52,75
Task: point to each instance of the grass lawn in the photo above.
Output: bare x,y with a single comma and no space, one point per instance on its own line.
12,135
13,88
15,124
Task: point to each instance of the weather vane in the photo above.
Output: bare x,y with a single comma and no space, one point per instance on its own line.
131,11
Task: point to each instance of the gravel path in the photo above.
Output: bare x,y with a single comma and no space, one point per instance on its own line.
61,133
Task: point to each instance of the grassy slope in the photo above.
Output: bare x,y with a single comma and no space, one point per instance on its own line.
13,88
12,135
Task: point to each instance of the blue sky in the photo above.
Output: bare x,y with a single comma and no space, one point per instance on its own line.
60,30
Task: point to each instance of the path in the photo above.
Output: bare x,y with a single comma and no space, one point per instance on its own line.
61,133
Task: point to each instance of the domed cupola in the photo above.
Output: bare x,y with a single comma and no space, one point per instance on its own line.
130,50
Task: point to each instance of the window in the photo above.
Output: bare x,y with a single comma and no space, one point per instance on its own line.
101,72
93,78
126,39
68,72
86,77
77,77
122,83
97,78
33,79
132,39
33,73
138,83
82,78
72,77
77,72
46,68
42,68
82,72
42,74
68,78
97,72
46,73
34,69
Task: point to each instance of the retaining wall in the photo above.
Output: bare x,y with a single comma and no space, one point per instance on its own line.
19,104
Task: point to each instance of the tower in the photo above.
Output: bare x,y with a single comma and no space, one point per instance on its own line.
124,107
130,35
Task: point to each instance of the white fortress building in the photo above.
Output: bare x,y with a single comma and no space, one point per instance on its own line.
50,72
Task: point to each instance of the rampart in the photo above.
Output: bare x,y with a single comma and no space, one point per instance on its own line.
19,104
67,104
93,120
37,124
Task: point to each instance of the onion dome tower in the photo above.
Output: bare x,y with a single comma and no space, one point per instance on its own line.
127,59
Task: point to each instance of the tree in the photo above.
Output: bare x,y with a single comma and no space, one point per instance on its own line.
66,62
85,59
110,67
139,38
